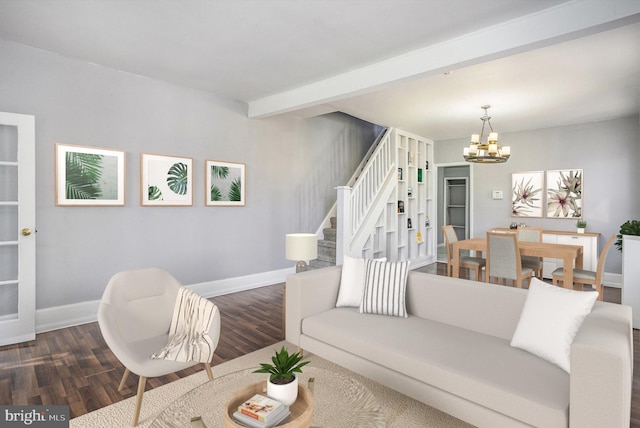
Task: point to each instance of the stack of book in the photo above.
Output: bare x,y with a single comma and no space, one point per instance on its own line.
261,412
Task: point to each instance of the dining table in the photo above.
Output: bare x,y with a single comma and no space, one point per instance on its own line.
569,254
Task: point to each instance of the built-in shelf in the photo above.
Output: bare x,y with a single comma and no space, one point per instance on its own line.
456,208
414,153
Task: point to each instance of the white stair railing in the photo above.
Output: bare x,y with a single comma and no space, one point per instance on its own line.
326,222
365,190
355,207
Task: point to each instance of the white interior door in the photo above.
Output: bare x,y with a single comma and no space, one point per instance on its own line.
17,228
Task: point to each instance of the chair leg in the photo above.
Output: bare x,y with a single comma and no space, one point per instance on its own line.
136,413
207,367
125,376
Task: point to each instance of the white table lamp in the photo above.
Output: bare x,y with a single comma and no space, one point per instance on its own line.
301,247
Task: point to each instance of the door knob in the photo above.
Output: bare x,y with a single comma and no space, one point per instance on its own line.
26,231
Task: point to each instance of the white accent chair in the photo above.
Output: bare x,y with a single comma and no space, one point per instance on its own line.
581,276
134,317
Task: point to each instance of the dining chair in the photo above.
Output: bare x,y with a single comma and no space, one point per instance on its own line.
582,277
503,259
531,234
472,263
134,316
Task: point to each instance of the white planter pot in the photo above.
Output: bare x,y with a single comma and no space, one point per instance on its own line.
631,275
286,394
581,230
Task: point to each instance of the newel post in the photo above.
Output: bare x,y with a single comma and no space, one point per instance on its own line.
343,216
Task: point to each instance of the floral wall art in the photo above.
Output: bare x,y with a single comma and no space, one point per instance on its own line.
166,180
564,193
526,195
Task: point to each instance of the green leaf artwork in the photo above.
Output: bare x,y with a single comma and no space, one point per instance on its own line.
154,193
83,173
235,191
225,181
216,194
177,178
220,172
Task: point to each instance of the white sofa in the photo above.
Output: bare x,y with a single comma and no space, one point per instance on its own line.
453,352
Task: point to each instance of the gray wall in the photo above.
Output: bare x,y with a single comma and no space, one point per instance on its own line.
292,167
607,151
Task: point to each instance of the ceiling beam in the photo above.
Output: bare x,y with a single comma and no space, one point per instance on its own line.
564,22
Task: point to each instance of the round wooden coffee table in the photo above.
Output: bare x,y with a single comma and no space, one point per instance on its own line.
338,401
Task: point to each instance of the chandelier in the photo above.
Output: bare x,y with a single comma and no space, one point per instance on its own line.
489,152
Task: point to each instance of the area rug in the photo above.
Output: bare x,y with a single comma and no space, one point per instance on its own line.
400,411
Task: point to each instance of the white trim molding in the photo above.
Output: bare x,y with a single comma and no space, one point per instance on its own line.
85,312
557,24
612,280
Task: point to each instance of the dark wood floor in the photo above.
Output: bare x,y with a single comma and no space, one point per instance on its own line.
74,366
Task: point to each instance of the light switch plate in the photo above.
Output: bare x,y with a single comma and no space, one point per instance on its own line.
497,194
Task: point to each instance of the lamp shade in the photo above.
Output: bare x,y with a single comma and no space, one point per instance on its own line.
301,246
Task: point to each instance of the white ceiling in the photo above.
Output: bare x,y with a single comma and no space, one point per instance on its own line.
278,55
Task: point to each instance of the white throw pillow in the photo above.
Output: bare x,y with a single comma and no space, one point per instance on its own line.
385,286
550,319
352,282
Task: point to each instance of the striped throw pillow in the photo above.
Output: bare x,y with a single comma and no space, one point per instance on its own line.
385,287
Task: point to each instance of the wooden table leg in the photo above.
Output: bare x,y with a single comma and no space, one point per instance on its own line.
567,280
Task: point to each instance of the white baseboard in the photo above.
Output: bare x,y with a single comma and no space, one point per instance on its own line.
85,312
421,261
66,316
613,280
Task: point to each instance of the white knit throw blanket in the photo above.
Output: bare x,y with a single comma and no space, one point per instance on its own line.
189,332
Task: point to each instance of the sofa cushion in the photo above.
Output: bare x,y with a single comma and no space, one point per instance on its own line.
385,287
481,368
352,282
485,308
550,319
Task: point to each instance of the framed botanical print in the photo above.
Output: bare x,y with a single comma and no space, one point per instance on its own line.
564,193
526,194
166,180
89,176
224,184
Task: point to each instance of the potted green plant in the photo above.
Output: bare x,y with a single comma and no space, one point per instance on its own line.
630,227
282,384
581,225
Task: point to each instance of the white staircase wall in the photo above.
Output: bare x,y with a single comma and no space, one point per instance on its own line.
369,224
